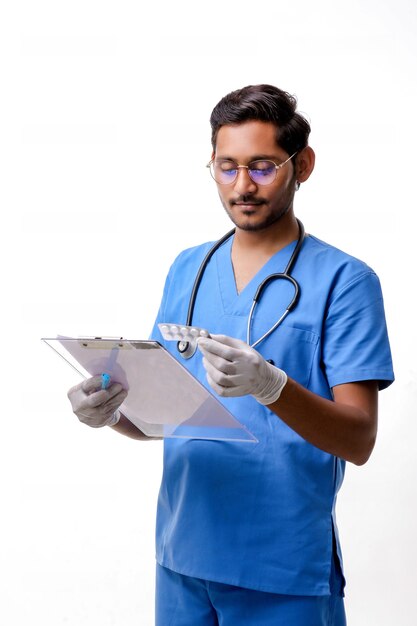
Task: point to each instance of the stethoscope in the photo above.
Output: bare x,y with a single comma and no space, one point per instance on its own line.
187,349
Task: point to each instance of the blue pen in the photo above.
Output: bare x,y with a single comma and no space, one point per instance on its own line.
105,380
111,362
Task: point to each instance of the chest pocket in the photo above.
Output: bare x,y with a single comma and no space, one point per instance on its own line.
293,350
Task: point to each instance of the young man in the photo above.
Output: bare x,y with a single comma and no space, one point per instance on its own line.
246,534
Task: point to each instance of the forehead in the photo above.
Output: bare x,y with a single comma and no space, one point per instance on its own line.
247,140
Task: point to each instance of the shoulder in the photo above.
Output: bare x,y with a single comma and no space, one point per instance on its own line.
328,254
193,253
337,268
180,280
190,259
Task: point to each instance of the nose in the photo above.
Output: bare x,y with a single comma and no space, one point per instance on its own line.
243,183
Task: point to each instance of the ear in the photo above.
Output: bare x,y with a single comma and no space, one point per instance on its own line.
304,164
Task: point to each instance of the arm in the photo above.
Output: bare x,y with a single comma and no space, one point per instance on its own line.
345,427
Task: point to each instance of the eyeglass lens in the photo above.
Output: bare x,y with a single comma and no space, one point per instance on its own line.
261,172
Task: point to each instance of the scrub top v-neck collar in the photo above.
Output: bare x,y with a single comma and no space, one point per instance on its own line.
235,303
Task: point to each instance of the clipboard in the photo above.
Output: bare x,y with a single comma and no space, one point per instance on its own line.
164,399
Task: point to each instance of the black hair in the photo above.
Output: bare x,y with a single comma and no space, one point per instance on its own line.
265,103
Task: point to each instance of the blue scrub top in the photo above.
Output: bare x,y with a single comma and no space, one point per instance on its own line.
262,516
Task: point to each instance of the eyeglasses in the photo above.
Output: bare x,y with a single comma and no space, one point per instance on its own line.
261,172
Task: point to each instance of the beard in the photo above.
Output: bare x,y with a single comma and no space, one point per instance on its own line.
244,220
245,223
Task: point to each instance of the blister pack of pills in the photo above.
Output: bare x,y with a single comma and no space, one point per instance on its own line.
176,332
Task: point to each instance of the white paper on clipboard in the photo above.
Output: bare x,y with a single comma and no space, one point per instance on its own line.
164,399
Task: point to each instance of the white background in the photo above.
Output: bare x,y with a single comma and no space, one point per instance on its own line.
102,103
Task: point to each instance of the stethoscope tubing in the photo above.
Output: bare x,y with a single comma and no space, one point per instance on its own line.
283,316
183,347
285,275
200,274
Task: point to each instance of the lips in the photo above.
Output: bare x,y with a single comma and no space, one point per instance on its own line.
247,204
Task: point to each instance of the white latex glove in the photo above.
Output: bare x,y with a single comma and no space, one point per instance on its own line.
94,406
235,369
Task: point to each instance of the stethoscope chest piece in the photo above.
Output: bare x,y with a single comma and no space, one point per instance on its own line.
187,349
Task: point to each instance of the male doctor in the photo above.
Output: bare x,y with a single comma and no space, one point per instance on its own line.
246,534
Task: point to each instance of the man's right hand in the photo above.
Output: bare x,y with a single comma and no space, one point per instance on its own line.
95,406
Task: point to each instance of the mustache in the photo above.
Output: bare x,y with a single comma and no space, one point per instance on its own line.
247,199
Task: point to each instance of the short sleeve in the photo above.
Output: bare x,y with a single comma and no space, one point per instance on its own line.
355,337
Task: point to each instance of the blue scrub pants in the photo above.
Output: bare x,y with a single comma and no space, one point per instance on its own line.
185,601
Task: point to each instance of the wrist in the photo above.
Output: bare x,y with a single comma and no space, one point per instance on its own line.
273,382
115,418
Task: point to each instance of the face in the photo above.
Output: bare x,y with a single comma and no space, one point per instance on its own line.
251,206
